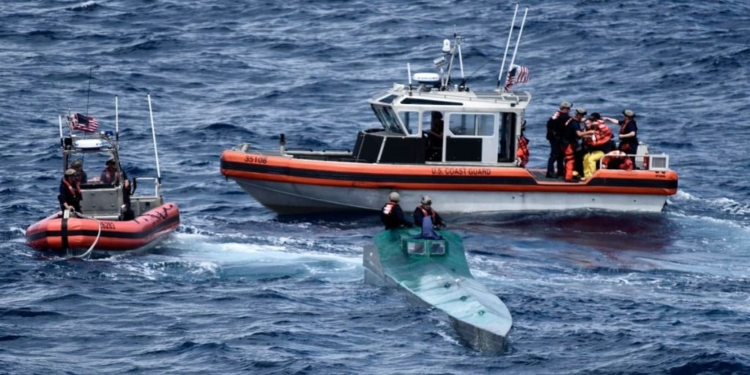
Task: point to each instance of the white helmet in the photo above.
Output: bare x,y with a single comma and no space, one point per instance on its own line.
394,196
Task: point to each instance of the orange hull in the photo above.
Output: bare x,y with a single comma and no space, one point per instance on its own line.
243,166
56,234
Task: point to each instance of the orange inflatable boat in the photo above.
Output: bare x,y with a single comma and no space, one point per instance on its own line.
76,235
101,215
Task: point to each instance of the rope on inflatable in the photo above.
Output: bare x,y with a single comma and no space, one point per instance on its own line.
91,249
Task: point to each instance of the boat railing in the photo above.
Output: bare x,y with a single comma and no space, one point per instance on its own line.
648,162
318,152
140,204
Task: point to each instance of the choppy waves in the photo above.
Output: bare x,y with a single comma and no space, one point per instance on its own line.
239,289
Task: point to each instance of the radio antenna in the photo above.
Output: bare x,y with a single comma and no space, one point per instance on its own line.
507,45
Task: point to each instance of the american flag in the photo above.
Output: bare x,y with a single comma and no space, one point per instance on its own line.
518,74
84,123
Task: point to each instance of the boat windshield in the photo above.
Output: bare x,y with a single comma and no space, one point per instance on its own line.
388,118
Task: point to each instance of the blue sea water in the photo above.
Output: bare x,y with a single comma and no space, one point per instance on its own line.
238,289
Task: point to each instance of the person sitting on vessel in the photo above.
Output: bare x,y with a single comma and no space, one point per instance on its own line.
70,193
522,155
428,219
598,144
392,215
555,129
628,132
435,137
571,141
80,173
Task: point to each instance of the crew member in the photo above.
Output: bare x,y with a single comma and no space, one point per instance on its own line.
574,131
555,129
598,144
110,175
628,132
428,219
392,215
70,193
425,209
80,173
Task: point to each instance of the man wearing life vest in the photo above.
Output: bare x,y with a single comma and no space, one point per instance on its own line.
522,155
70,193
628,132
598,144
574,131
425,209
110,175
555,130
617,160
392,215
428,219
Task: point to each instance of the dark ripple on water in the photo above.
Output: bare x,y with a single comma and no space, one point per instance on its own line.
239,289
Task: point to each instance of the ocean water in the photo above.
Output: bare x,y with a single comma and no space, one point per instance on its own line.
238,289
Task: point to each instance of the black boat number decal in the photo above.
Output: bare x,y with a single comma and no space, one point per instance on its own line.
256,159
449,171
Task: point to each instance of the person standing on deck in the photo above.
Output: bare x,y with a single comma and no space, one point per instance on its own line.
574,132
70,192
555,129
628,132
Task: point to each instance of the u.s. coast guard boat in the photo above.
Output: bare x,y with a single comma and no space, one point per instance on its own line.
439,138
114,219
434,273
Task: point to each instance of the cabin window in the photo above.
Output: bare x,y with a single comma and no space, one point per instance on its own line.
388,99
468,124
411,121
416,248
388,119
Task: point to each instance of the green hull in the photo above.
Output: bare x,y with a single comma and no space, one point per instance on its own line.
435,273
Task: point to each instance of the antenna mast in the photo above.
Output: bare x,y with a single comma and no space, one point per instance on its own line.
518,40
153,133
507,45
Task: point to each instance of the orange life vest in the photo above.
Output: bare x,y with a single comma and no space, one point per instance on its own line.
602,134
425,213
626,163
109,176
523,150
76,191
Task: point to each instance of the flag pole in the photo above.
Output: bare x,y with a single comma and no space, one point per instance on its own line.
153,133
117,121
507,45
88,92
513,60
59,121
